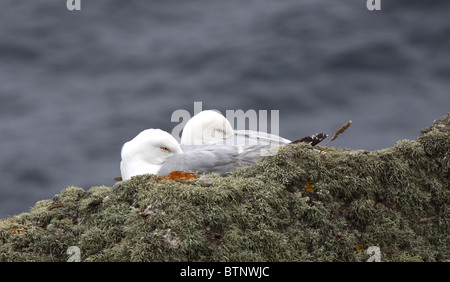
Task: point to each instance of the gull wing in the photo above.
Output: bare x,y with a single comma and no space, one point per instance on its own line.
213,158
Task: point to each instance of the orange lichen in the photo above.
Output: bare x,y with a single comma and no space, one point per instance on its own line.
309,187
2,221
16,230
360,248
177,175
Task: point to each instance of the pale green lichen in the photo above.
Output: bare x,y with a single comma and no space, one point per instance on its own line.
397,199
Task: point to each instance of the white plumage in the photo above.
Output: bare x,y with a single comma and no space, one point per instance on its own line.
210,127
208,144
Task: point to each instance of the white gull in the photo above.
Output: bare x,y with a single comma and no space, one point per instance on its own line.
155,151
210,127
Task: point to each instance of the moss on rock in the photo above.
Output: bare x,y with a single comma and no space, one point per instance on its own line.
397,199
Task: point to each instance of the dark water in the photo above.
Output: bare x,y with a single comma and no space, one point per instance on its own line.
74,86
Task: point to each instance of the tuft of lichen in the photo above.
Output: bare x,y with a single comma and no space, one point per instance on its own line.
303,204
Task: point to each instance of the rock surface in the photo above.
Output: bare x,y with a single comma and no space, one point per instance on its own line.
304,204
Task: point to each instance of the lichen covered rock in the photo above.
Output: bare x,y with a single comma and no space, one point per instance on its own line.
304,204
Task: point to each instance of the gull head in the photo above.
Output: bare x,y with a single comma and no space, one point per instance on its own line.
146,152
206,127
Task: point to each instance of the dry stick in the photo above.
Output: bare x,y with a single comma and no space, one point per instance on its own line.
339,131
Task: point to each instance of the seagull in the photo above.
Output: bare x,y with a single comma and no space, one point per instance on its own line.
210,127
208,144
154,151
147,152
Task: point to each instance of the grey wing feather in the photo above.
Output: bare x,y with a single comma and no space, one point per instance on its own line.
212,158
251,137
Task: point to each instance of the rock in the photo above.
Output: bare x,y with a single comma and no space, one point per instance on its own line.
393,200
442,124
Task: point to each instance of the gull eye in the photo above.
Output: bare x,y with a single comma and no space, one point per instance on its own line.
165,149
219,130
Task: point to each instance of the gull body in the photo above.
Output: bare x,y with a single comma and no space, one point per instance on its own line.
210,127
155,151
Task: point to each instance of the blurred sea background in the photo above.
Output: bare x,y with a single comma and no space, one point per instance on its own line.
76,85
